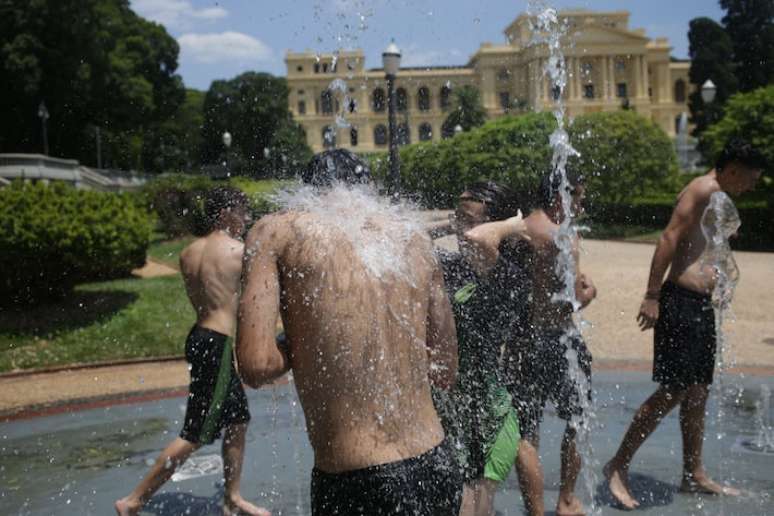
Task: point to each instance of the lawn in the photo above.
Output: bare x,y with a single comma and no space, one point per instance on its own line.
128,318
168,251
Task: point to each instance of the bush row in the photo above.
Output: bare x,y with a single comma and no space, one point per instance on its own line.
54,237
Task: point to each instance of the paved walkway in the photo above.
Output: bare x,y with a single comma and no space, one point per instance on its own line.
618,269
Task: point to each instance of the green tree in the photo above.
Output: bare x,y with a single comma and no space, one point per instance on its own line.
749,116
750,25
467,111
711,52
253,107
174,144
95,63
622,155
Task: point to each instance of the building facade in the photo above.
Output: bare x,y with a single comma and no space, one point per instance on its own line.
340,103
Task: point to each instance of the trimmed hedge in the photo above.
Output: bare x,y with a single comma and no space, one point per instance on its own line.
54,237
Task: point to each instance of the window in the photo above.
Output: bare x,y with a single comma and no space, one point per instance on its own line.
326,101
588,91
680,91
423,99
325,67
445,98
447,131
378,100
301,107
401,99
505,100
503,74
301,92
556,92
425,132
329,137
620,65
380,135
352,106
403,134
299,68
317,68
587,68
353,137
622,90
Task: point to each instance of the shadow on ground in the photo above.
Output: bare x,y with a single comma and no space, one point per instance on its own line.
80,309
646,490
174,504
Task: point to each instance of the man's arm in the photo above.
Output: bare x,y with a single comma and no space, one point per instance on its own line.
585,290
486,239
441,335
259,358
686,215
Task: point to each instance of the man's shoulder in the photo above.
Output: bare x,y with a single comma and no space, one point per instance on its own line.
703,187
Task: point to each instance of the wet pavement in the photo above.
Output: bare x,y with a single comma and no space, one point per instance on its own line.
78,463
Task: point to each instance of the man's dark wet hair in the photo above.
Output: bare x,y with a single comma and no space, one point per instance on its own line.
499,201
550,183
331,166
220,198
742,152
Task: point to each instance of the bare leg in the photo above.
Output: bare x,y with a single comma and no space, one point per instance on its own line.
530,477
692,413
233,456
468,506
485,490
168,461
645,421
568,503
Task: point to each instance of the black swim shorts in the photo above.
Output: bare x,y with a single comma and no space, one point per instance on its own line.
537,371
427,485
216,398
684,338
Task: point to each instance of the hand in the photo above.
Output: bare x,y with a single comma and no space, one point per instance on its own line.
517,227
648,314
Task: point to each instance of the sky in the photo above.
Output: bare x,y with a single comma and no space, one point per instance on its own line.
221,39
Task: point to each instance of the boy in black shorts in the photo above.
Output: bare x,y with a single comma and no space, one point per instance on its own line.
681,311
212,268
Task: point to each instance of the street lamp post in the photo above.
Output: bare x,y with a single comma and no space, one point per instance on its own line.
391,62
226,143
43,114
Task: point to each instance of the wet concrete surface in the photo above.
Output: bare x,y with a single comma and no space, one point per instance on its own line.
78,463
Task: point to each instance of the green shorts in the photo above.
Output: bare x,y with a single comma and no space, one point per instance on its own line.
502,452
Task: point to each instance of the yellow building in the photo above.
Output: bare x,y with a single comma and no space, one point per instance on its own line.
341,103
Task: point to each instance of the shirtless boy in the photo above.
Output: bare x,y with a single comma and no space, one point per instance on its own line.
368,328
211,268
681,312
536,366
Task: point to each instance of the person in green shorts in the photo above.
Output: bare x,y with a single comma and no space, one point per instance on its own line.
487,298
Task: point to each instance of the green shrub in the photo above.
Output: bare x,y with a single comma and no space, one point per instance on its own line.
54,237
623,155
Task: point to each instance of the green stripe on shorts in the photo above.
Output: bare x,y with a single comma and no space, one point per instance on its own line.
219,396
504,450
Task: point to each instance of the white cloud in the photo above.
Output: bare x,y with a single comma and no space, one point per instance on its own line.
414,55
224,46
177,14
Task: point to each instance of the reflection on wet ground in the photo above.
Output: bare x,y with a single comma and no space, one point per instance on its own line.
78,463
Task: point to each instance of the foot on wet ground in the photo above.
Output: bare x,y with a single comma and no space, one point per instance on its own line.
126,507
569,506
702,484
238,506
618,482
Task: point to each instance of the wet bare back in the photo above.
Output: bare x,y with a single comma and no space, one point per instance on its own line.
212,267
358,334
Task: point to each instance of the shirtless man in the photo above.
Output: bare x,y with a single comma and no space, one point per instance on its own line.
368,328
536,367
681,311
211,268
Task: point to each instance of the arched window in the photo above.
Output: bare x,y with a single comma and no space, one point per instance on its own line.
423,99
401,99
301,107
353,137
425,132
378,100
680,91
445,98
447,131
403,134
329,137
326,101
380,135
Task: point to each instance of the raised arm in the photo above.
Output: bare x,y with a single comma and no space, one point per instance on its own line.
259,358
441,335
486,239
686,215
